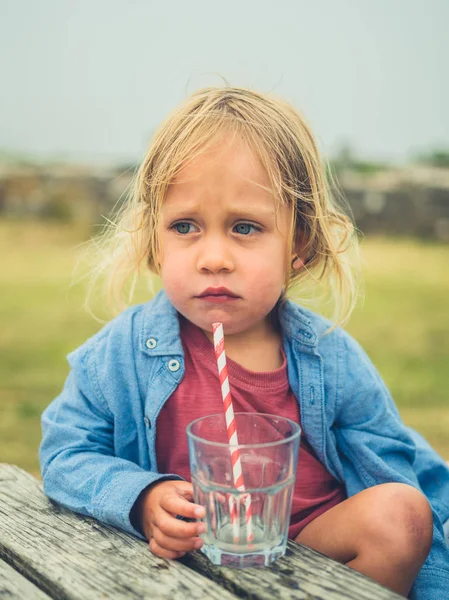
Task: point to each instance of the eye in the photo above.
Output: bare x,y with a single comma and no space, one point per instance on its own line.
182,227
245,228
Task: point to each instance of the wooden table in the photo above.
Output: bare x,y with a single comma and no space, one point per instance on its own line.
49,552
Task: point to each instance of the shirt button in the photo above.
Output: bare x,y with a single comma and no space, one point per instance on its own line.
146,421
174,365
151,343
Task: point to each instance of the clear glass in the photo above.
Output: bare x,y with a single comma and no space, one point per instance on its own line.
268,449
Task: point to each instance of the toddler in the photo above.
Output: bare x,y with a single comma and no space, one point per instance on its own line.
231,208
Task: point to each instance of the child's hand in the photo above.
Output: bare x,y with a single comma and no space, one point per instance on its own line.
158,508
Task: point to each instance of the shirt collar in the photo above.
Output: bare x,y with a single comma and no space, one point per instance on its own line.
160,334
298,324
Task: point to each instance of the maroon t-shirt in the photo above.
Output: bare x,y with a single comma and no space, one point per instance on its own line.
315,490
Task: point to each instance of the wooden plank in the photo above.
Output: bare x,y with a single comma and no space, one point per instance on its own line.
15,587
302,574
76,558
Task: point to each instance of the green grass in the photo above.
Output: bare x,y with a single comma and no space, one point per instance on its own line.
403,325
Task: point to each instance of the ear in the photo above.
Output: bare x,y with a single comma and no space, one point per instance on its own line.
297,263
298,257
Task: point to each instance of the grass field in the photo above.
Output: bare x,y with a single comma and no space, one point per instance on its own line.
403,324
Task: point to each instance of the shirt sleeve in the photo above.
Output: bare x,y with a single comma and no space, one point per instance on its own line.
370,432
78,465
376,447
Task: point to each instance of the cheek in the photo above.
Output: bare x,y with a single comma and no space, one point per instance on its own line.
171,272
175,290
170,259
174,274
268,270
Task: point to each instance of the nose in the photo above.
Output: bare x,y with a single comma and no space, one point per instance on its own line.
215,256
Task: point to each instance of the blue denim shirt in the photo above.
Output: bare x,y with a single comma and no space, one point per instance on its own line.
99,435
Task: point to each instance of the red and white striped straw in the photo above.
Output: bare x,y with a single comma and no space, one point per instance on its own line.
232,436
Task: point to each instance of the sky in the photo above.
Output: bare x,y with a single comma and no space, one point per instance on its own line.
90,80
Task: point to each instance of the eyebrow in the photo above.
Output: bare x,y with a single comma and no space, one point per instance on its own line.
248,213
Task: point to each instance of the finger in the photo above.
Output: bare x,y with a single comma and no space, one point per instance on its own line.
184,489
163,552
174,544
173,527
179,505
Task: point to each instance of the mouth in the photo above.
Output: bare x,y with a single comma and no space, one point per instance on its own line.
218,294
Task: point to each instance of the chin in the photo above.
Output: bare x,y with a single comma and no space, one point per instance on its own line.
231,325
206,324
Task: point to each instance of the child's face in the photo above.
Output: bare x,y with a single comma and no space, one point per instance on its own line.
218,229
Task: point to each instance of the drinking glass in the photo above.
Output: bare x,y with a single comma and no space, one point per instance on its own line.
247,526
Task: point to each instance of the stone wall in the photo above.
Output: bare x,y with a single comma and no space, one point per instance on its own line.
413,201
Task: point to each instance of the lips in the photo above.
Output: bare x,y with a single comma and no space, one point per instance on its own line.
218,292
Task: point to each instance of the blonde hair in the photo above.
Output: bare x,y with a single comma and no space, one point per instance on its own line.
298,178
